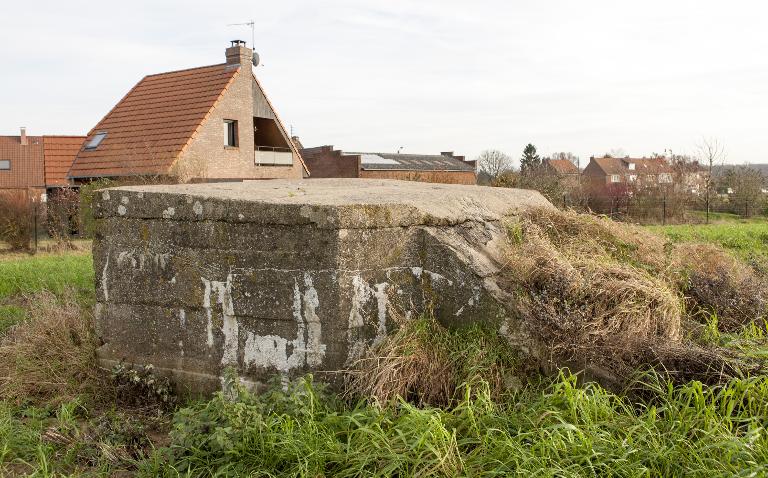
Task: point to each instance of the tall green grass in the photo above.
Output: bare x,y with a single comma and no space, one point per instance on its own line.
54,273
555,429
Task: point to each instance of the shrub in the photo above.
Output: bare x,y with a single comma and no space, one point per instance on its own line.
63,216
16,220
715,282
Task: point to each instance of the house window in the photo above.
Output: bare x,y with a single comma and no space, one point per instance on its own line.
615,178
5,165
633,177
665,178
631,166
230,133
96,140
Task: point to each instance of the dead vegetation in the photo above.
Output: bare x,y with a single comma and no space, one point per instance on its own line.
49,357
715,282
611,298
425,363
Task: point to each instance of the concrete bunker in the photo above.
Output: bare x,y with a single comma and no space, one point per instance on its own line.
280,278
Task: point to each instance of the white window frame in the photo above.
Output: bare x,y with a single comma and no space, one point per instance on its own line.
665,178
615,178
231,133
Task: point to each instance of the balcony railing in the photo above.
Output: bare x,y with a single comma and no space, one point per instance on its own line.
269,156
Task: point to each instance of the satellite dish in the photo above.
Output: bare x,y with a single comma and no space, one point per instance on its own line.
255,59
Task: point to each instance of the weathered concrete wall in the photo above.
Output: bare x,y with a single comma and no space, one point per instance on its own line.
284,277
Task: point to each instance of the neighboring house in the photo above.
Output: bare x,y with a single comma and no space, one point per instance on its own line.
691,177
326,162
611,177
564,169
212,123
37,164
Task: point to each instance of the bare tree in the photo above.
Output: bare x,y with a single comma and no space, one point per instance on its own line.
747,186
568,156
711,153
616,153
494,162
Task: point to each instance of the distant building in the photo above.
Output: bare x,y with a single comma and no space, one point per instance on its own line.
327,162
610,177
212,123
563,169
36,164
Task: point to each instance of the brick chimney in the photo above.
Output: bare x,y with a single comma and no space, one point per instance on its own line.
23,136
239,54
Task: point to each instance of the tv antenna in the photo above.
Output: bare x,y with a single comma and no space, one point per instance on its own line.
251,24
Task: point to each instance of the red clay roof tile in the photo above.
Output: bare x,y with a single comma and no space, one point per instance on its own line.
150,126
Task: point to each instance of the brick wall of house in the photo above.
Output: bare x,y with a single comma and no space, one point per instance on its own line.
27,163
207,158
325,162
447,177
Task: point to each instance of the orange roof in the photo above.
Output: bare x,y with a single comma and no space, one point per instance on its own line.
563,166
151,125
59,153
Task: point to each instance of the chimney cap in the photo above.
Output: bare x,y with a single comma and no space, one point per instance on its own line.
238,43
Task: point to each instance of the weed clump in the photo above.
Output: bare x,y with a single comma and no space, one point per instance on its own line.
716,282
49,358
427,364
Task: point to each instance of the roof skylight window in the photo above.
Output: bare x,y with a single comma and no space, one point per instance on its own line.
96,140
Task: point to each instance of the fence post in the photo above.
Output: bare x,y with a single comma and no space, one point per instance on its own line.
664,210
35,222
746,207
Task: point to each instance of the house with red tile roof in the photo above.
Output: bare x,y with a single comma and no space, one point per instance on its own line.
36,163
564,169
212,123
611,177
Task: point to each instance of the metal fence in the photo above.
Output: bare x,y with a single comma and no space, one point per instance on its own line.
667,209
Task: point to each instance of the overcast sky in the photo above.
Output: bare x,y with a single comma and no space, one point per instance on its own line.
582,76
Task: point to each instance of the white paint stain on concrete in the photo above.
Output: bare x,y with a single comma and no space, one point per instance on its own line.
221,291
419,272
197,208
207,307
362,293
105,195
272,351
124,200
381,304
104,276
182,318
121,210
140,260
168,213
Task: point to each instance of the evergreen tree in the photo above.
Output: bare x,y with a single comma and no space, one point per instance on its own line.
530,160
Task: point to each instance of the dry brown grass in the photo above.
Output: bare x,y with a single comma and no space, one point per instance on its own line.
427,364
608,297
49,358
403,366
716,282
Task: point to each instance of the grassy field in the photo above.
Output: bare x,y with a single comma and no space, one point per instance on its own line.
83,424
747,238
